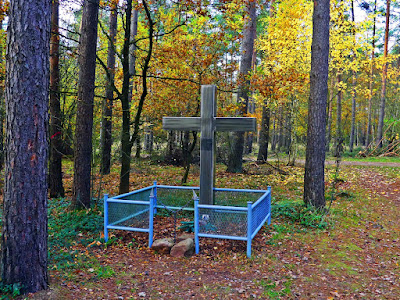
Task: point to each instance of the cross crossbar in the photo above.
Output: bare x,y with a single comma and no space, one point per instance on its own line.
221,124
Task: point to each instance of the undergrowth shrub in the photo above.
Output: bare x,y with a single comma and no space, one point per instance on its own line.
70,227
298,212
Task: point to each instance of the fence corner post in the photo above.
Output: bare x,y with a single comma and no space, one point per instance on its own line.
155,196
249,227
196,225
269,206
151,218
105,217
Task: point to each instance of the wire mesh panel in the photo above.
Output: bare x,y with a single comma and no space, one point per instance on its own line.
259,213
140,195
223,222
234,198
175,197
128,215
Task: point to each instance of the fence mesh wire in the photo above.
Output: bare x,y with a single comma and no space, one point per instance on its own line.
259,213
175,197
140,196
228,198
128,215
223,222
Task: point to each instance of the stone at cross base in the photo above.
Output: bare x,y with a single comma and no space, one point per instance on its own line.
207,124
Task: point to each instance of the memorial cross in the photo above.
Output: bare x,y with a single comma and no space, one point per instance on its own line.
208,124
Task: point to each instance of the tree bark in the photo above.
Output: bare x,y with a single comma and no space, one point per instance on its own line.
84,108
235,160
314,185
24,230
56,187
106,139
381,119
2,115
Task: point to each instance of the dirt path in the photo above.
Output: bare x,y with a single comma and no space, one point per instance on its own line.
356,163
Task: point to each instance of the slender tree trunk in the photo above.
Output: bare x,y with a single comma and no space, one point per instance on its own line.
235,160
106,138
274,138
24,228
339,135
381,119
314,185
371,82
56,188
264,134
354,90
128,140
84,108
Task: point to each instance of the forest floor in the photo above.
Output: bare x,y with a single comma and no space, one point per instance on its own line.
353,252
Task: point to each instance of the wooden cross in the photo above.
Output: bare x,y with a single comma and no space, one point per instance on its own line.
207,124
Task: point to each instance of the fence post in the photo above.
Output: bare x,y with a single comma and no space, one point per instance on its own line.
151,217
105,217
155,196
196,225
249,227
269,206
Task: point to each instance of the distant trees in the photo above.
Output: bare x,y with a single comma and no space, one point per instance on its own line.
24,228
314,182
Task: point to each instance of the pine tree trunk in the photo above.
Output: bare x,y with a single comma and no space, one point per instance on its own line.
235,160
84,107
106,138
2,115
264,134
56,187
314,185
24,228
379,137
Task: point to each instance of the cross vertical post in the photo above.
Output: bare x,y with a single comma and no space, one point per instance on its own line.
207,143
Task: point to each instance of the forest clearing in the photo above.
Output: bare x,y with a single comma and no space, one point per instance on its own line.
352,252
279,120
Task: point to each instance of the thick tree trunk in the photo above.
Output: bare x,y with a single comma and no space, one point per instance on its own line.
56,188
314,185
106,138
84,108
24,229
381,119
235,160
2,115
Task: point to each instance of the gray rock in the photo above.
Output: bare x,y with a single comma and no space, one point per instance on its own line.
184,248
184,236
163,246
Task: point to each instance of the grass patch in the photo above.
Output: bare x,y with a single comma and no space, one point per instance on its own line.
69,228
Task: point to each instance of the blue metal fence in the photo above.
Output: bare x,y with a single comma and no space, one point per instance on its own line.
135,211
